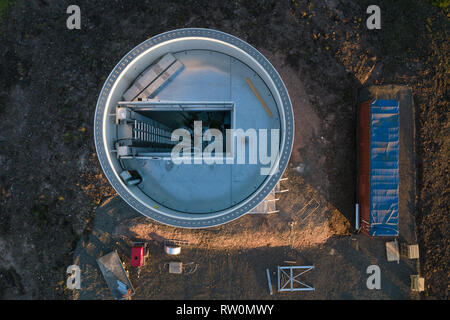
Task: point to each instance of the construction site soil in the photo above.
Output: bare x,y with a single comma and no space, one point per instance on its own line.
57,208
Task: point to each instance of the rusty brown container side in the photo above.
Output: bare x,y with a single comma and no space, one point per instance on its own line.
364,166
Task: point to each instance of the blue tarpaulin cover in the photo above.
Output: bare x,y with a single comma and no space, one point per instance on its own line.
384,129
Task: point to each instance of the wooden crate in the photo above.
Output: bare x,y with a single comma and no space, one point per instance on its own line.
392,251
417,283
413,251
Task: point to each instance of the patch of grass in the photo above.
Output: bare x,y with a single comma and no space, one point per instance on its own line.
442,4
4,4
40,212
75,137
63,111
20,69
67,137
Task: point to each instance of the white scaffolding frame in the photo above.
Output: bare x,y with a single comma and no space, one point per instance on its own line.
287,278
269,205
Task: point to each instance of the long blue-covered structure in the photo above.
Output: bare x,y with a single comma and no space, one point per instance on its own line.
384,178
378,179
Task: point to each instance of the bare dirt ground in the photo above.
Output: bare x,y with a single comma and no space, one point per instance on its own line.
51,182
235,271
305,219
